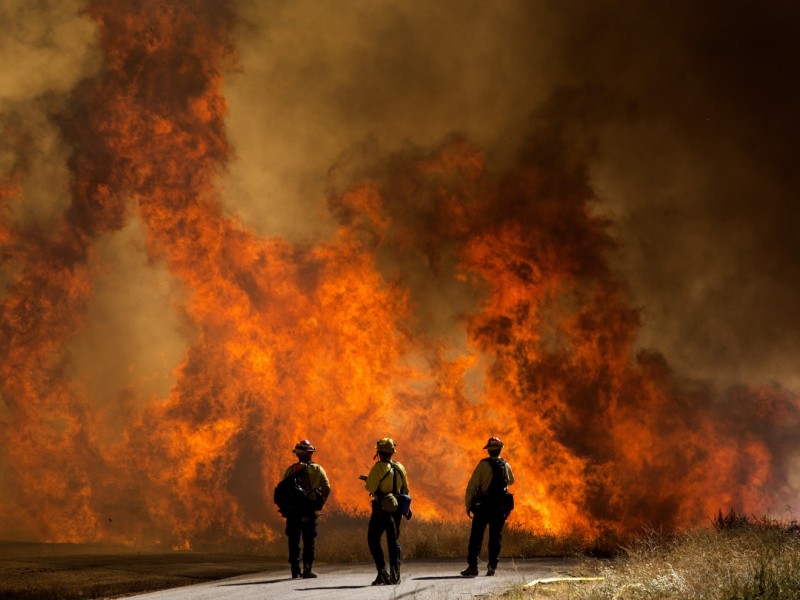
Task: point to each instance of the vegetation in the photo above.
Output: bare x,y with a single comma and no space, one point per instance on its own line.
737,558
343,539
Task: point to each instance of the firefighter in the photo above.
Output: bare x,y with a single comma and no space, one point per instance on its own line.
301,515
385,481
488,503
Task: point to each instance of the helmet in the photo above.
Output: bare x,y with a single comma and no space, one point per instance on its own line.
385,445
303,446
493,443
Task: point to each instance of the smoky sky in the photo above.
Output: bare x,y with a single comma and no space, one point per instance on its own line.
685,112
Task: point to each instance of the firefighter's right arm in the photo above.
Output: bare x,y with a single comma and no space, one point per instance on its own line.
373,479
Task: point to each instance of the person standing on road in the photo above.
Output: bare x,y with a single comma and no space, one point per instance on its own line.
308,489
386,480
488,503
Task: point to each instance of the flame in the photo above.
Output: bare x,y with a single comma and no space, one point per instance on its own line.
329,341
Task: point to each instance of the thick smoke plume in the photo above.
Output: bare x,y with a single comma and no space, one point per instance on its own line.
227,226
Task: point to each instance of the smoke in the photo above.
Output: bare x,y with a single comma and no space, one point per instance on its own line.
317,79
134,338
700,182
688,110
47,48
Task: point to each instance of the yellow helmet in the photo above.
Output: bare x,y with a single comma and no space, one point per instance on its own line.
385,445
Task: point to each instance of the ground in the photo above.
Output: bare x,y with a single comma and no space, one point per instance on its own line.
43,571
81,571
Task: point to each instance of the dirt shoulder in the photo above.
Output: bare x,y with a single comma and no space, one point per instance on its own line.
31,571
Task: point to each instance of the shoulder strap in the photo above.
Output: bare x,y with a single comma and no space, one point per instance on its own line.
385,475
299,470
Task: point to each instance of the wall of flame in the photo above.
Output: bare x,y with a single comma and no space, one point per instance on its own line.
328,340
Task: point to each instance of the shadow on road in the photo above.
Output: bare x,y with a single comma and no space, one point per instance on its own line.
333,587
438,577
268,581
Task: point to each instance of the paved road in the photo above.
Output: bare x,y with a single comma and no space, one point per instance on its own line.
422,580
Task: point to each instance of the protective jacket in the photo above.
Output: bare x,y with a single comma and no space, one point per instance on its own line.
381,481
315,477
482,478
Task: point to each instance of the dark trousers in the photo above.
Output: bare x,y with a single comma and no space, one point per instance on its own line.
379,523
296,527
480,519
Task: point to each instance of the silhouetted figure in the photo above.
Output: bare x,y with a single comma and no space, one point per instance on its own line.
300,494
488,503
388,484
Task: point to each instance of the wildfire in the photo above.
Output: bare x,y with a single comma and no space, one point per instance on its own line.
327,342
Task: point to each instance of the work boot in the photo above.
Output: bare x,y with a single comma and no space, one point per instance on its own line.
490,571
382,578
394,574
309,574
470,572
296,574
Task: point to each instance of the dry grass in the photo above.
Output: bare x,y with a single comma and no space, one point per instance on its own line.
736,559
342,538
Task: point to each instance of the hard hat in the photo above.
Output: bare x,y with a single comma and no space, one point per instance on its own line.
385,445
303,446
493,442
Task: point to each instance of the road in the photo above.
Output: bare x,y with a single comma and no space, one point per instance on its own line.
421,580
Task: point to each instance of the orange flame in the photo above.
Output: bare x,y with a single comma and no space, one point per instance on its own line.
328,342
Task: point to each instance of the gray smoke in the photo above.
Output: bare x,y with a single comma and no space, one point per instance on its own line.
45,50
687,110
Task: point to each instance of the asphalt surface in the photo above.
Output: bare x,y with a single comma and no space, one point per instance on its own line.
431,580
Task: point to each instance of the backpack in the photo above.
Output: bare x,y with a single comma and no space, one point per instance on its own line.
499,483
394,501
290,494
496,498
